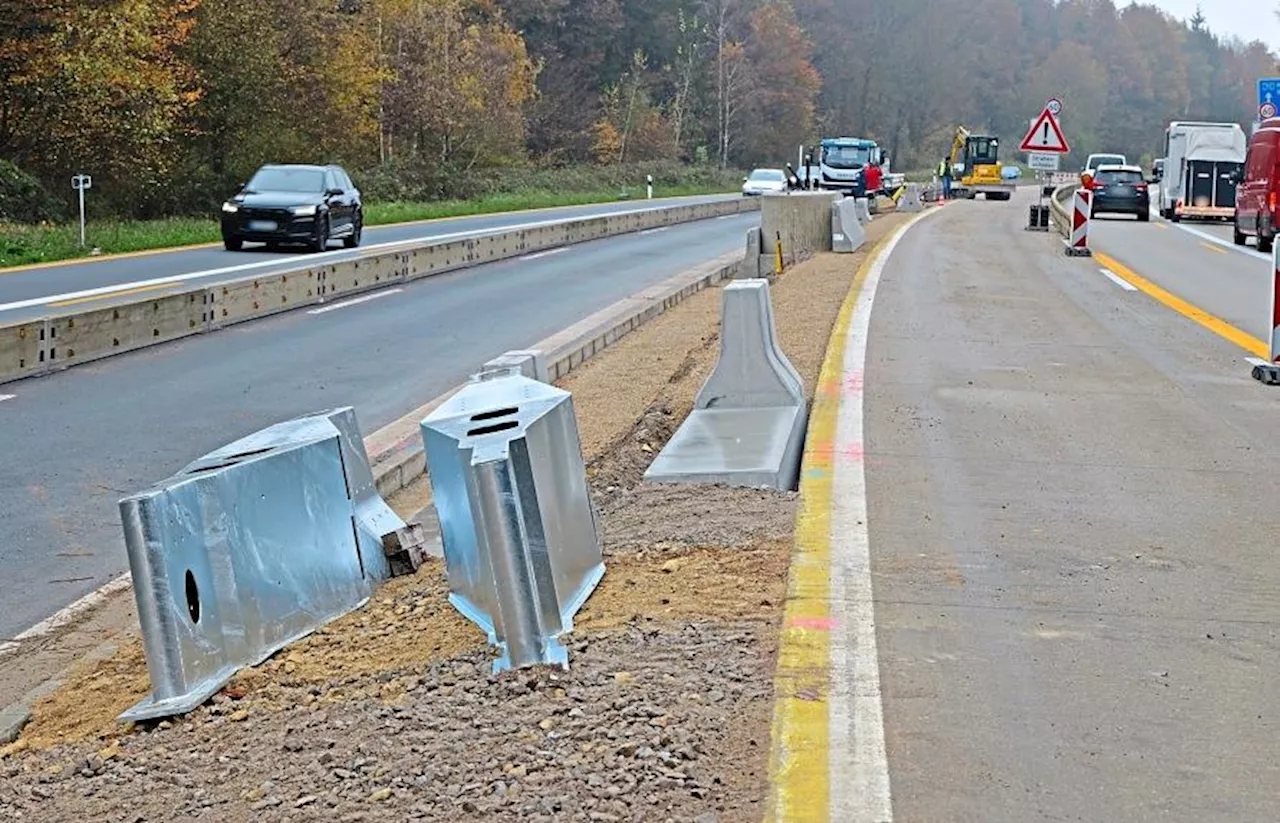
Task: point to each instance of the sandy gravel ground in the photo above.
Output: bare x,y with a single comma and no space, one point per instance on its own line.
391,714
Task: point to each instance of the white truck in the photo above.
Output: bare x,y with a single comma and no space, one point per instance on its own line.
1200,165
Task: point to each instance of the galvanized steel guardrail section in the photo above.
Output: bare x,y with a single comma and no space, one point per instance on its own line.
1060,209
34,347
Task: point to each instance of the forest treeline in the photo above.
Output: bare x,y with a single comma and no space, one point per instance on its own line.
169,103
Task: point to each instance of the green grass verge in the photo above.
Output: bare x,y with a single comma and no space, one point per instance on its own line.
22,245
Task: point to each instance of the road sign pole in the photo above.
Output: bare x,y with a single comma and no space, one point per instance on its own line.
81,217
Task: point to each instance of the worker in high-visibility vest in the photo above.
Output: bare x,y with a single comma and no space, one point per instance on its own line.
944,174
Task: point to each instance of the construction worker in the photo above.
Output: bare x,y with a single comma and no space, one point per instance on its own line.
944,174
874,179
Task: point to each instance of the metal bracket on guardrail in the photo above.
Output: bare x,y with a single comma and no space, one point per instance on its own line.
251,547
521,545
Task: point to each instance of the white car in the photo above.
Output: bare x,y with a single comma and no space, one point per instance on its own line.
764,181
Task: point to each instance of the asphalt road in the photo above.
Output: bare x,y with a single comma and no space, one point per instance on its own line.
1071,510
30,285
74,442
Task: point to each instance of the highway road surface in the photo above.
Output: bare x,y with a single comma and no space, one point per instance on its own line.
1072,490
23,291
74,442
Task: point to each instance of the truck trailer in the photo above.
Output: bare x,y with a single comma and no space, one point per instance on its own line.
1201,163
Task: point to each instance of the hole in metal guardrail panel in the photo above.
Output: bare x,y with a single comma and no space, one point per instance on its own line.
193,597
521,544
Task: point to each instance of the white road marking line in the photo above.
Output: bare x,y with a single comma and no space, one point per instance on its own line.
1218,241
859,764
69,613
728,216
1119,281
355,301
4,397
541,254
655,231
322,258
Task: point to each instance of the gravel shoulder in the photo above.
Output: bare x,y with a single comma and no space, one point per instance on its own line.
390,713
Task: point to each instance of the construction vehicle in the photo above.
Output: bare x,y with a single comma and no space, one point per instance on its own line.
976,168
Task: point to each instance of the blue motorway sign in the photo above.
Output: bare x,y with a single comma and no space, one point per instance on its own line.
1268,97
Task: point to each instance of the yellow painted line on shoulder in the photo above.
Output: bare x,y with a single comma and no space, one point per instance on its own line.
1212,248
128,255
1161,226
800,754
109,295
1214,324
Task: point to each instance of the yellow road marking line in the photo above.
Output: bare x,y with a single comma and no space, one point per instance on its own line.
1212,247
110,294
1161,226
800,754
1216,325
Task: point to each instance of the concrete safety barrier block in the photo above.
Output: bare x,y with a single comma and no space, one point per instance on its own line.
90,335
755,264
802,220
863,206
910,202
248,549
748,423
362,274
23,350
521,544
242,300
847,233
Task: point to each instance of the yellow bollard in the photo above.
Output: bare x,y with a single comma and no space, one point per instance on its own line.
777,254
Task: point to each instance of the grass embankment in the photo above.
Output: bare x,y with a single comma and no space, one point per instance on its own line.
24,244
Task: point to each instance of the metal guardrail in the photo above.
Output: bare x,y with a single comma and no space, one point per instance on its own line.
1060,210
34,347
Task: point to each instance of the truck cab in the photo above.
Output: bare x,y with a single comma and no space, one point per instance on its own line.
842,164
1258,192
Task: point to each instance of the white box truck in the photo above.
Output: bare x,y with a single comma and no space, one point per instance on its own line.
1200,163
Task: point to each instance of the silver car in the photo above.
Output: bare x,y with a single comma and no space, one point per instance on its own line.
764,181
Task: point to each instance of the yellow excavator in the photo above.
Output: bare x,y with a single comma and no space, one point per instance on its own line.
975,165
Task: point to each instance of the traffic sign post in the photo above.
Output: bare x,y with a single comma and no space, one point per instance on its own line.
81,183
1268,97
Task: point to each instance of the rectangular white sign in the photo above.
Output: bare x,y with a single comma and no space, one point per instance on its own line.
1041,161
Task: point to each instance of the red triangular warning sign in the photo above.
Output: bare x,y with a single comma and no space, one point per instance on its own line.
1046,136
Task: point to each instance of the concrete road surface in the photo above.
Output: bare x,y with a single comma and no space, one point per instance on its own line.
1073,493
75,442
25,285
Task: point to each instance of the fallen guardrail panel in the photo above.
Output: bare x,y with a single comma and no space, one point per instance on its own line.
748,423
521,544
251,547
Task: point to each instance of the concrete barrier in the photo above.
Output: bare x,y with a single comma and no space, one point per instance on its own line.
748,423
847,234
863,206
910,201
802,220
63,339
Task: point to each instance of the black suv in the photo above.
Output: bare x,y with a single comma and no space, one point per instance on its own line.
294,204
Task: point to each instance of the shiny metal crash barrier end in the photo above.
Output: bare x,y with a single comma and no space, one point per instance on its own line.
252,547
748,422
521,544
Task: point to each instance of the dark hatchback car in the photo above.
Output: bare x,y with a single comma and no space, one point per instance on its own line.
1121,190
308,205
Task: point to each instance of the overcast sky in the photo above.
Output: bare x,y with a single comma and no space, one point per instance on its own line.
1247,19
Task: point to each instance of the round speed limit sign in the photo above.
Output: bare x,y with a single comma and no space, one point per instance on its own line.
1054,106
1267,110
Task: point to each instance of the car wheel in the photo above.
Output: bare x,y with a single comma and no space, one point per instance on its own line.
357,229
1238,236
232,243
1266,242
1144,217
320,241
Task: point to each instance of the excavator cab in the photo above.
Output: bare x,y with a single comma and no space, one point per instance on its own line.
981,150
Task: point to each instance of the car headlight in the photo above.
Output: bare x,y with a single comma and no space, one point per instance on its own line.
230,208
303,211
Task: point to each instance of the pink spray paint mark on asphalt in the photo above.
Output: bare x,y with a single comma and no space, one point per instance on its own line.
852,453
818,623
853,383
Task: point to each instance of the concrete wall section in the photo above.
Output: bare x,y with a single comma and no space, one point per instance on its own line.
803,220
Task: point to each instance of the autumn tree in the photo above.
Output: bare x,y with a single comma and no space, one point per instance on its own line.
783,85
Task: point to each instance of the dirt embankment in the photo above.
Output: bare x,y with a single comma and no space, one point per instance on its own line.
391,714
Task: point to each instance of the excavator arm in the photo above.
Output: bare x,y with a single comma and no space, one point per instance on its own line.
957,145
